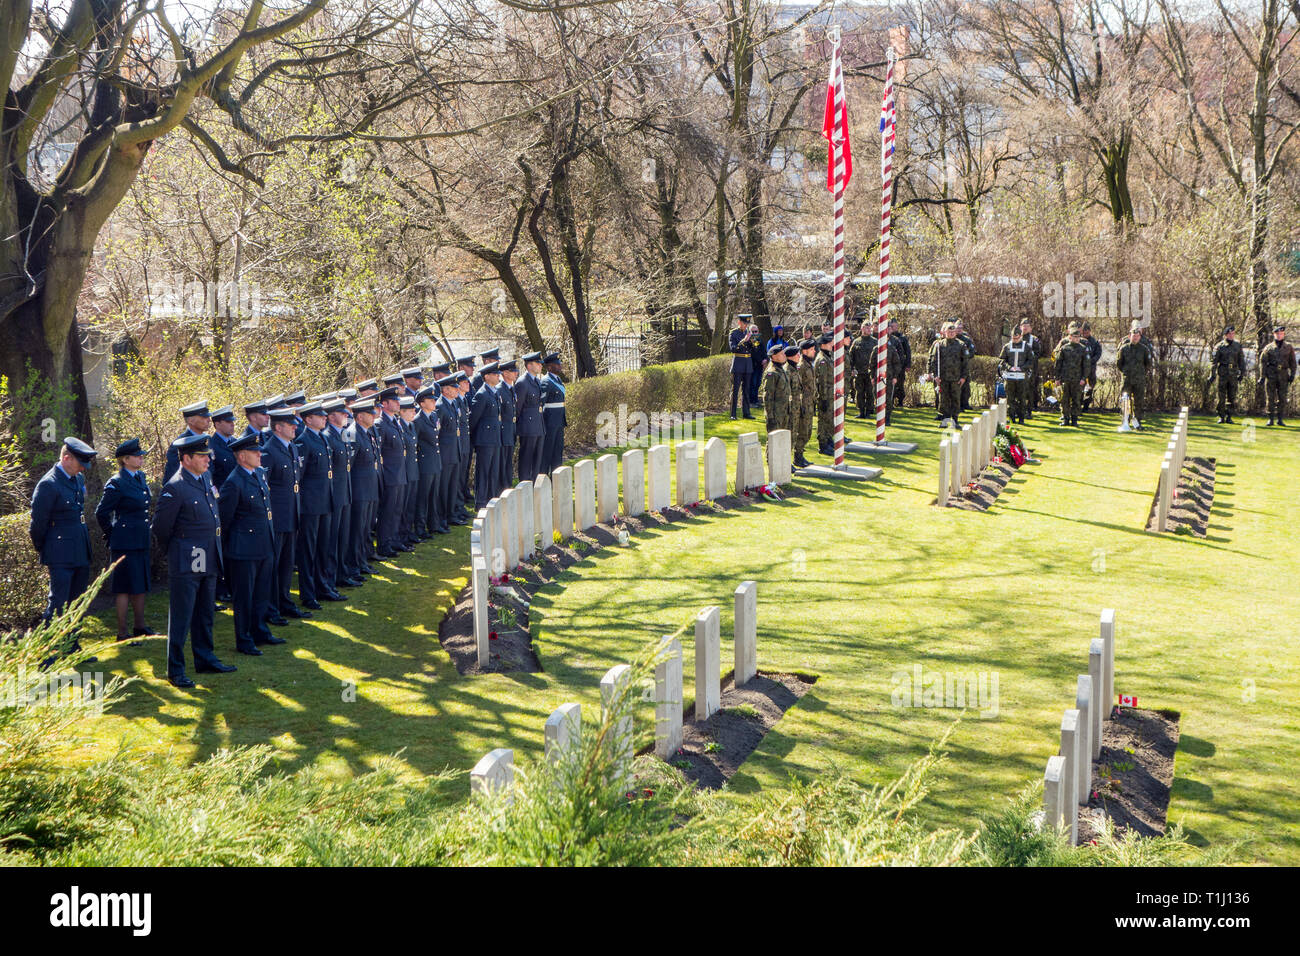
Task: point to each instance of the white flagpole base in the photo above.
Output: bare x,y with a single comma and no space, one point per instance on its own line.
845,472
881,447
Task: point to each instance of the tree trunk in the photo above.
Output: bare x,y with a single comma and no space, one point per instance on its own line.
755,289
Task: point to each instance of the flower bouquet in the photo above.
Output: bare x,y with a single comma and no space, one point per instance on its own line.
1009,446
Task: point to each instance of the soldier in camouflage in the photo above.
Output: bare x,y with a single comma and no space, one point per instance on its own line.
1228,365
862,360
805,400
1072,365
1015,364
776,389
1135,364
824,372
1277,366
950,367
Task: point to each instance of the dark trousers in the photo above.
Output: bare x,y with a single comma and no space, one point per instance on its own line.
390,518
467,459
487,471
1227,393
1071,400
553,449
336,565
66,584
530,456
189,613
426,504
447,487
506,467
864,392
312,532
360,542
755,380
1275,392
740,386
250,588
410,501
285,546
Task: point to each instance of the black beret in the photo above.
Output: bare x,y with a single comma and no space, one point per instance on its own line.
791,350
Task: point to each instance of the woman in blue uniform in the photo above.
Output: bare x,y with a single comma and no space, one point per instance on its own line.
123,516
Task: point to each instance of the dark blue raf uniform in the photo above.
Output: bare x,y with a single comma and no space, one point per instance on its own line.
365,490
449,450
427,506
248,547
173,459
506,396
315,505
58,529
466,445
530,431
123,516
187,526
392,451
340,546
223,459
282,465
553,416
485,429
739,344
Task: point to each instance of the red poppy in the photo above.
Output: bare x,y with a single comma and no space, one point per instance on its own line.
492,635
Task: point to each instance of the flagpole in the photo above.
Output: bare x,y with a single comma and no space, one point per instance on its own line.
837,68
887,125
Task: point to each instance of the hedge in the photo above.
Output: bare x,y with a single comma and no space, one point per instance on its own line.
23,581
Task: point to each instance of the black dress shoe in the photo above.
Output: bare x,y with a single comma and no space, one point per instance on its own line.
293,611
386,555
271,640
217,668
181,681
355,582
250,651
276,621
367,570
313,604
218,606
333,596
405,547
143,632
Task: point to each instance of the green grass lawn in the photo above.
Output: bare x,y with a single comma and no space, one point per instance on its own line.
857,581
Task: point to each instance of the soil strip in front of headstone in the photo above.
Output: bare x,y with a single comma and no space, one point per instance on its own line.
1134,774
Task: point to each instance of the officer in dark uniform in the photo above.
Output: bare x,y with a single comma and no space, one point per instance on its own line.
123,516
223,462
553,416
392,450
904,347
406,413
738,343
259,422
315,508
485,429
283,467
197,421
449,446
530,432
466,442
476,378
58,526
248,545
296,400
360,436
367,388
339,547
188,528
428,520
506,395
412,381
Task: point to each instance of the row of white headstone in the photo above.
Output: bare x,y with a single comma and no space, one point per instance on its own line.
563,728
964,454
1171,466
525,519
1067,782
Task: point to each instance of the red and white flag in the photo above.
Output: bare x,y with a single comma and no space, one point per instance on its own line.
1126,701
835,123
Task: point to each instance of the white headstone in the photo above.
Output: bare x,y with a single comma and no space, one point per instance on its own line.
496,771
659,459
1083,703
1002,411
482,629
1054,793
562,500
945,477
746,632
584,493
606,488
1164,496
1096,671
749,462
612,686
633,482
1070,751
715,468
708,653
562,732
510,526
779,457
1107,697
495,550
688,472
956,454
525,493
668,702
967,454
543,512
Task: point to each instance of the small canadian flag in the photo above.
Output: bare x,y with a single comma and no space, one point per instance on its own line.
1126,701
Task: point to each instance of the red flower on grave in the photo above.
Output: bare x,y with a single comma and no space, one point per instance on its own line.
630,795
648,793
681,751
1094,794
492,635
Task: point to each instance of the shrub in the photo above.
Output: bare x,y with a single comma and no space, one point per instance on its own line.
23,581
688,387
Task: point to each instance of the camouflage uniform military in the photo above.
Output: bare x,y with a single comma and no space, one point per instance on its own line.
1135,364
777,395
894,369
1228,365
862,359
1277,365
805,400
824,373
949,364
1015,364
1072,366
